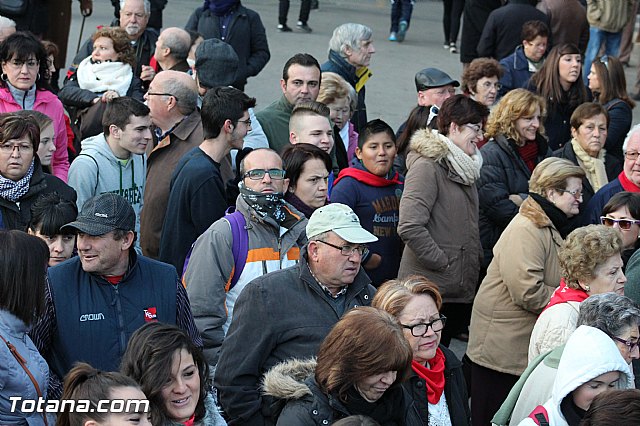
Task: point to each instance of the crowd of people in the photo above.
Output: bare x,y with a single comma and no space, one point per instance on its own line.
162,242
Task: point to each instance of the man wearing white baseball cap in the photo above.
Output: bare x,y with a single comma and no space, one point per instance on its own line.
288,313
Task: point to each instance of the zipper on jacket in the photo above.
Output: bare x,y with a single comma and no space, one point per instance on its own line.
123,339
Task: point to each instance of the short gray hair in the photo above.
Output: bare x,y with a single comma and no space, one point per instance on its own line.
186,97
633,130
178,41
6,22
610,313
147,6
349,35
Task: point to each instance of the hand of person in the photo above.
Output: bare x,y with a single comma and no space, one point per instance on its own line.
147,73
109,95
516,199
86,7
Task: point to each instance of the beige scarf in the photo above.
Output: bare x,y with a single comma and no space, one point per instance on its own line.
592,166
466,166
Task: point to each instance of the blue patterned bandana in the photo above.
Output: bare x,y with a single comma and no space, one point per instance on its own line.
12,190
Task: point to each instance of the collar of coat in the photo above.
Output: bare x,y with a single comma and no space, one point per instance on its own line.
532,211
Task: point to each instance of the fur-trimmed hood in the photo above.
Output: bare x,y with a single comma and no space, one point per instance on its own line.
428,143
532,211
287,379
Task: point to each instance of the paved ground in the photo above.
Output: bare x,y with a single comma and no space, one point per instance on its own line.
390,92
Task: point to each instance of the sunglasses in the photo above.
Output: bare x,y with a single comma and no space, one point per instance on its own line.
624,224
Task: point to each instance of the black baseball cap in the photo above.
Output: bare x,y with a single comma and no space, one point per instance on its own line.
432,77
104,213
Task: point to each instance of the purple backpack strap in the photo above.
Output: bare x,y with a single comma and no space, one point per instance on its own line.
239,247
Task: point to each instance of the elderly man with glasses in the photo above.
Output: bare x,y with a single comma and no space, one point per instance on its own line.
264,234
287,314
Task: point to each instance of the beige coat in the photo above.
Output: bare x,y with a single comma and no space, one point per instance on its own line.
520,280
439,222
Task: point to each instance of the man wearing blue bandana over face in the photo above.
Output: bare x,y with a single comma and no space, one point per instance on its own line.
275,231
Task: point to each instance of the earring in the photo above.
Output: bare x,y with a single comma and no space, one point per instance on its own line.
587,288
38,76
4,76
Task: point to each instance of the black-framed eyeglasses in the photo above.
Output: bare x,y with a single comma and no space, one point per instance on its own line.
419,330
624,224
576,193
628,343
161,94
258,174
347,249
247,121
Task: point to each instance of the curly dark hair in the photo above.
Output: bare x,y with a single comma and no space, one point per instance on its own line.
121,43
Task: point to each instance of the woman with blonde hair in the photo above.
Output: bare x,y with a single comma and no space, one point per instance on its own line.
335,93
519,283
591,263
517,144
436,392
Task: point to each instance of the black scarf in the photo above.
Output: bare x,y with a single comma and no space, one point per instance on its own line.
557,216
265,205
571,412
388,410
296,202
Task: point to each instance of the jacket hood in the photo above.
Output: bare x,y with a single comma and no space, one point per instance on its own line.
286,380
98,145
532,211
589,353
428,143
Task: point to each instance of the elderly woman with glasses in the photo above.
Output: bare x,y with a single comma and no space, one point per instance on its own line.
360,366
520,280
24,85
439,208
436,389
609,87
617,316
480,81
22,179
591,264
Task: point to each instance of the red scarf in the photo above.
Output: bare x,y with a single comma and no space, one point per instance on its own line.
564,294
529,154
190,421
627,185
434,376
367,177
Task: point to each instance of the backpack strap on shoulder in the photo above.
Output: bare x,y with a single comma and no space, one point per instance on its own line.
240,245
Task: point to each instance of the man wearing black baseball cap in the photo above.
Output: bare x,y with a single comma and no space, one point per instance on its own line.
96,300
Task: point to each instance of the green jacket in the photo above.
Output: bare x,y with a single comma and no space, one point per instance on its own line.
274,120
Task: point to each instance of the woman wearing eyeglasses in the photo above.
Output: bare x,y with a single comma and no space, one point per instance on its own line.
480,81
591,264
436,390
23,85
520,280
101,77
439,208
589,124
609,87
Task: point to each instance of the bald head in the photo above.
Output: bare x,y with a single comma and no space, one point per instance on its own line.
171,96
172,47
